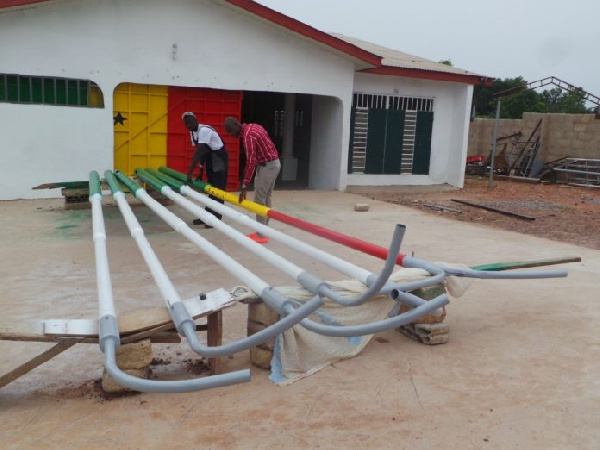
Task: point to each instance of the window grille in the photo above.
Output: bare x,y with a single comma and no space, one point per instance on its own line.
363,102
25,89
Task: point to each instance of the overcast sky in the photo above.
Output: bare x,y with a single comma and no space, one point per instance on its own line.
529,38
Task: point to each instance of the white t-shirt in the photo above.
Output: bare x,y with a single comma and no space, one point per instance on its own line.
206,135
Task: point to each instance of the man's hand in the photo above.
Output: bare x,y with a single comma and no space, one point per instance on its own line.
242,196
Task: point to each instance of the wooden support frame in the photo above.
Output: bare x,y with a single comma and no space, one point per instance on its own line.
163,333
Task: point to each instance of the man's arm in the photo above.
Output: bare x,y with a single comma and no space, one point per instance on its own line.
199,157
250,149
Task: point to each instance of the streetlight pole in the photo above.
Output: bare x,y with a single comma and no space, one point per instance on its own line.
496,124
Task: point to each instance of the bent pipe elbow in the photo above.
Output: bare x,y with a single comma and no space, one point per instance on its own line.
374,286
168,387
376,327
187,328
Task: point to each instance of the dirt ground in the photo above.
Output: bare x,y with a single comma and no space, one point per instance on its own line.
561,212
520,369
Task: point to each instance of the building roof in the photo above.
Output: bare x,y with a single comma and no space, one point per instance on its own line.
384,61
402,64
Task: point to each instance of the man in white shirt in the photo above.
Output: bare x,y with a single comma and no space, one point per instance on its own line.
210,153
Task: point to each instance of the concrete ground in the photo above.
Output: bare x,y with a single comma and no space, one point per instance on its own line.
520,370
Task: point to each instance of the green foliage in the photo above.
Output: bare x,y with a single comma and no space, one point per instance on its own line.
447,62
558,101
517,99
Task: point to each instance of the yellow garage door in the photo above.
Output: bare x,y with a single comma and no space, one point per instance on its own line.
140,124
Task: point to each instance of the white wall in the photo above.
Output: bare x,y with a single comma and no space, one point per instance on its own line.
110,42
450,129
329,136
40,144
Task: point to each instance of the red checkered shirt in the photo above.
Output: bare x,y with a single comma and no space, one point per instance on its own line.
259,149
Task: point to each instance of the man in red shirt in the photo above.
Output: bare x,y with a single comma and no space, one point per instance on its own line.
262,157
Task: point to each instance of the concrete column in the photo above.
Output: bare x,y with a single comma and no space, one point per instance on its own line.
289,163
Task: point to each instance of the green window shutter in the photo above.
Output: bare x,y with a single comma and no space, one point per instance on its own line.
394,137
24,89
61,92
376,141
36,90
48,88
422,153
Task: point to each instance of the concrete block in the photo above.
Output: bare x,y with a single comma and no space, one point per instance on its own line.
261,357
430,334
361,207
111,386
254,328
137,355
261,313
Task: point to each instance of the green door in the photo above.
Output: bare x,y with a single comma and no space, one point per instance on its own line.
384,141
422,153
394,136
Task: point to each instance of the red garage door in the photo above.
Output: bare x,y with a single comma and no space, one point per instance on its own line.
211,107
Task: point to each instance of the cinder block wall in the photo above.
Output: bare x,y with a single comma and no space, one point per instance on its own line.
571,135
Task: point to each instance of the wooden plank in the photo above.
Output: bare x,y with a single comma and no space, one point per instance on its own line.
215,338
441,208
148,319
501,211
63,184
38,360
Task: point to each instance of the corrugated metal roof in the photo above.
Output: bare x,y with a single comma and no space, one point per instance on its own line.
396,58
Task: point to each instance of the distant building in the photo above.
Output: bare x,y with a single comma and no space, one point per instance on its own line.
101,85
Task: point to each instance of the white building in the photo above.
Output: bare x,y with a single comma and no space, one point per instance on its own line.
98,84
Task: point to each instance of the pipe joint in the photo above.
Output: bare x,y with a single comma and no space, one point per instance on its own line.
180,316
108,332
311,283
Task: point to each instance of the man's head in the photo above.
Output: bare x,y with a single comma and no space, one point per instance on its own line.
191,123
233,127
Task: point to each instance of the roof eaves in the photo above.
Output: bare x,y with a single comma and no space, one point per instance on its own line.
14,3
477,80
306,31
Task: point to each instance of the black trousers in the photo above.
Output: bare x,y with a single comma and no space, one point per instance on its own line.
217,179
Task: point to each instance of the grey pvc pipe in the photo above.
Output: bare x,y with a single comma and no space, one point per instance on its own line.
522,275
170,387
109,330
297,315
307,280
376,327
381,279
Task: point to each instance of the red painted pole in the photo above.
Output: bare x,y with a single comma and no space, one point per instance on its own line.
348,241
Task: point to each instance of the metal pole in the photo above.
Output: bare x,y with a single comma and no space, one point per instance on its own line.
491,182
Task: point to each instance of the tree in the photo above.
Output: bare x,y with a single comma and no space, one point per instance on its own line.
528,100
558,101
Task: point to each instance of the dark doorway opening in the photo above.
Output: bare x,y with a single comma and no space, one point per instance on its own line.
270,110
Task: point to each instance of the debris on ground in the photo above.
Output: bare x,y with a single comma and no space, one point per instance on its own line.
562,213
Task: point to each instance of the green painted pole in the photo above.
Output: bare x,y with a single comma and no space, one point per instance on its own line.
128,182
113,184
149,179
94,183
170,181
200,185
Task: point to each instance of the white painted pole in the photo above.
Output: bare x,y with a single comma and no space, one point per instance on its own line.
103,284
164,284
338,264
